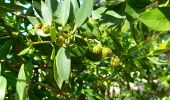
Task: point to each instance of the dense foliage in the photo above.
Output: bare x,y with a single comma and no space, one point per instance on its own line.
84,49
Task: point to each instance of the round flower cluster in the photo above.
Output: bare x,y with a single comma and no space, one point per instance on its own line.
97,49
103,50
106,52
115,61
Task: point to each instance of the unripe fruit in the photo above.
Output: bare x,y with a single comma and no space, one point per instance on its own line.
60,40
97,49
115,61
38,26
106,52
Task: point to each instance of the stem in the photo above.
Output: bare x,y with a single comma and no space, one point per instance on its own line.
40,42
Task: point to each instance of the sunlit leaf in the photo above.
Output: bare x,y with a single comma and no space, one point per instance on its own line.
3,84
35,20
84,12
63,63
114,14
130,11
64,12
52,5
57,78
156,19
23,52
96,14
157,61
75,6
23,80
46,13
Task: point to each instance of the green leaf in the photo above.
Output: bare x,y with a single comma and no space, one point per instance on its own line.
46,13
64,12
52,5
63,63
114,14
157,61
84,12
130,11
144,44
24,77
36,5
0,69
78,51
9,7
4,50
156,19
23,52
3,84
75,6
53,53
97,13
53,33
57,78
35,20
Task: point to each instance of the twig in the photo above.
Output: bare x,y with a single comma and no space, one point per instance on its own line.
40,42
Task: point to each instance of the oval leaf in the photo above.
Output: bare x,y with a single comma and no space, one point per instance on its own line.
3,84
24,77
52,4
63,63
64,12
57,78
97,13
75,6
23,52
46,13
35,20
157,19
157,61
84,12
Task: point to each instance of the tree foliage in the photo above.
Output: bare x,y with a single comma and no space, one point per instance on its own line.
84,49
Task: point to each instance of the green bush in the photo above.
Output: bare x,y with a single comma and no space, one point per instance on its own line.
84,49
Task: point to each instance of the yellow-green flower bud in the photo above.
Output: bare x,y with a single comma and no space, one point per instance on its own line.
115,61
97,49
106,52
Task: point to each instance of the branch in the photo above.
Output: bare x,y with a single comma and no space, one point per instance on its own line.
55,90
